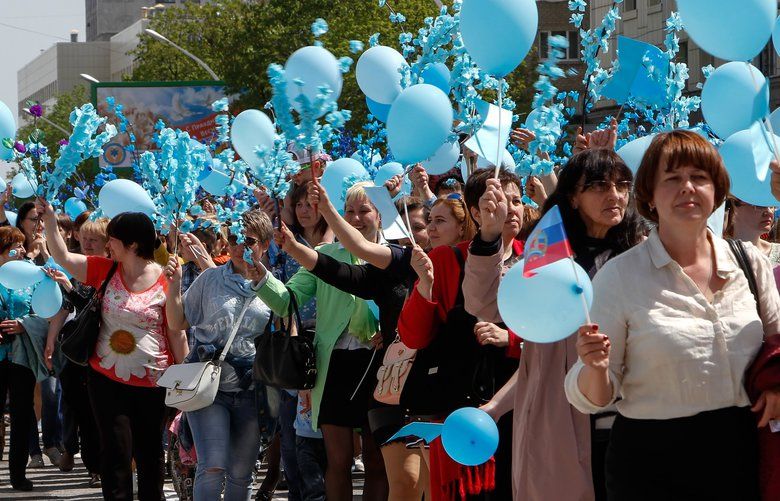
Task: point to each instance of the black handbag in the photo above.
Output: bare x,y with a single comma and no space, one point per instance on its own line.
283,360
78,336
454,370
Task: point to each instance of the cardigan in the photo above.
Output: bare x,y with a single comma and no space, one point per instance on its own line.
343,311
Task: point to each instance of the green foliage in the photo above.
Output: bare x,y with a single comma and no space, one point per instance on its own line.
240,39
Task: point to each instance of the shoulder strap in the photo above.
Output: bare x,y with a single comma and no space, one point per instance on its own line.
234,330
738,249
103,286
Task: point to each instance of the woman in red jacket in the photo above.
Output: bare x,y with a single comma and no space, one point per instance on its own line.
436,305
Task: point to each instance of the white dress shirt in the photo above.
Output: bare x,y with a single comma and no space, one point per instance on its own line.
673,353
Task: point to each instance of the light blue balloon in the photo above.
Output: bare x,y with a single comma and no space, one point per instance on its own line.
315,67
335,174
728,29
443,160
7,130
732,99
47,298
252,129
389,170
536,116
74,207
419,123
11,217
23,187
498,33
469,436
437,75
745,154
3,185
633,152
379,110
20,274
122,195
547,307
378,73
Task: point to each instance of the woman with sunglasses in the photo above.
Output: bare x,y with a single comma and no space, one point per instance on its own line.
227,434
593,195
344,341
748,222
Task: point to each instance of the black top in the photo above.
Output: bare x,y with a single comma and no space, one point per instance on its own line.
386,287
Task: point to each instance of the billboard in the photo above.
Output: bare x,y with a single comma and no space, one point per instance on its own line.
181,105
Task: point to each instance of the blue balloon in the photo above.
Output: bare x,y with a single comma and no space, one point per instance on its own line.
546,307
3,185
437,75
633,152
389,170
469,436
334,176
74,207
746,154
536,116
47,298
419,123
378,73
20,274
11,217
379,110
734,31
7,131
252,129
443,160
498,33
122,195
23,187
732,99
315,67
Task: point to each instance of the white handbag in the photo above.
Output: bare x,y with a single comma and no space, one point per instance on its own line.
193,386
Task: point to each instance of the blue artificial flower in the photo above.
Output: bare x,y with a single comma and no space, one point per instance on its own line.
355,46
319,27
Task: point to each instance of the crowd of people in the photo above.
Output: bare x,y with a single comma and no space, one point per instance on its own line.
651,400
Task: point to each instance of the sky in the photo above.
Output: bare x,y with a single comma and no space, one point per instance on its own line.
28,27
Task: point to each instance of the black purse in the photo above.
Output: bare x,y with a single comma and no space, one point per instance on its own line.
78,336
283,360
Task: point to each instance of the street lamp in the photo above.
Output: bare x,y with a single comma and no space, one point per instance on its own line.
27,110
89,78
184,51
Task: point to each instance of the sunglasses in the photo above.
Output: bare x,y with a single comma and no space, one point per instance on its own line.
248,241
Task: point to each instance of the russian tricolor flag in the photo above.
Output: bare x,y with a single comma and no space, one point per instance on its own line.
547,243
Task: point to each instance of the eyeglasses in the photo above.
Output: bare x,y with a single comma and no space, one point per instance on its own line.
757,208
622,187
248,241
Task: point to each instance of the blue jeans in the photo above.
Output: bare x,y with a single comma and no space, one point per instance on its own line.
227,441
51,419
312,463
287,410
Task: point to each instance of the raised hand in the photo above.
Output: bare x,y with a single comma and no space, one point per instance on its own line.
285,239
266,203
493,211
522,138
423,266
605,139
535,190
581,141
173,272
317,195
394,184
490,333
59,277
593,347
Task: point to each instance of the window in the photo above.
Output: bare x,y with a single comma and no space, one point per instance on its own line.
682,55
766,60
573,36
653,2
629,5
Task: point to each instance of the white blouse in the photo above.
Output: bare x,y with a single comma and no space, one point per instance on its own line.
674,354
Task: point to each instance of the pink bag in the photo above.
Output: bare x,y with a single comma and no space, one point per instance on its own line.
391,377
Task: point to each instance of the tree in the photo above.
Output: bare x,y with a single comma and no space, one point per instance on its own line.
240,39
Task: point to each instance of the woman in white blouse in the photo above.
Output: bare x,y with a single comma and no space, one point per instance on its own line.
675,329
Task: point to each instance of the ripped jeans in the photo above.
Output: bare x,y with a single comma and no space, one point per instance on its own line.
227,440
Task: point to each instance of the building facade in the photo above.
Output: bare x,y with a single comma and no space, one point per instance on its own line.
106,18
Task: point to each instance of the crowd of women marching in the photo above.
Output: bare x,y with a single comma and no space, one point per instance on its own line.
668,394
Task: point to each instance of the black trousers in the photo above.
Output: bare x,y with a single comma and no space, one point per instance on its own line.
130,420
710,456
79,429
19,382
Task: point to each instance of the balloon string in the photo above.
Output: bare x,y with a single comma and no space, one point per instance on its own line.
765,121
500,110
408,224
581,291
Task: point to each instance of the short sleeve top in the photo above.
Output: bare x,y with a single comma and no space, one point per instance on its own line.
132,347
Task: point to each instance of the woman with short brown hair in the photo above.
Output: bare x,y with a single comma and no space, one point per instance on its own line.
675,327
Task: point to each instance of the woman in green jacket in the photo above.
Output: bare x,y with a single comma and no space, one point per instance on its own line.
345,341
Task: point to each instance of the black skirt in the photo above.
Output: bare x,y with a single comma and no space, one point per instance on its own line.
338,406
710,456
